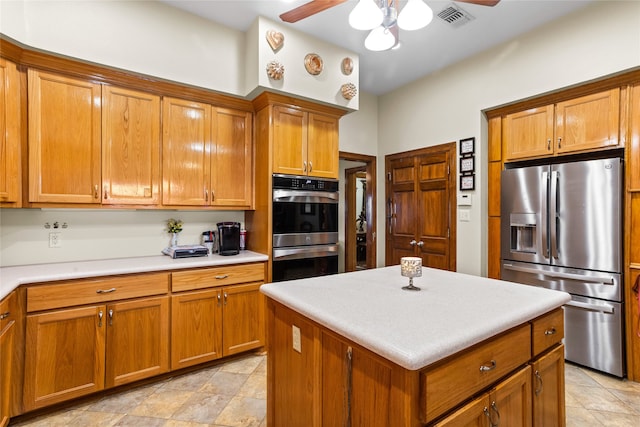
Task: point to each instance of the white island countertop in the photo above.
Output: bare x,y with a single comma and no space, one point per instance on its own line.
414,329
12,277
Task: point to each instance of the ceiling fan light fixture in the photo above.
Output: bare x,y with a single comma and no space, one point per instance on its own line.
380,39
365,16
415,15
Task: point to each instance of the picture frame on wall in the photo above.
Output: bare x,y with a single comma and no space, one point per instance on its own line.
467,147
467,182
467,165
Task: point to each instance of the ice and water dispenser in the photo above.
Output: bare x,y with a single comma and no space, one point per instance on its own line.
523,233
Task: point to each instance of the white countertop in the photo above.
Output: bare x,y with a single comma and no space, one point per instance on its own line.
414,328
12,277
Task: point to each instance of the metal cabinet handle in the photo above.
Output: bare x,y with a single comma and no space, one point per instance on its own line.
226,297
559,142
100,315
549,144
4,315
539,386
110,317
491,367
206,195
488,415
304,166
219,298
96,194
222,276
349,385
106,192
413,243
310,165
213,195
495,409
550,331
105,291
420,243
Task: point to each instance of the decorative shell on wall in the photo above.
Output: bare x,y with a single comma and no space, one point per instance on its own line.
313,64
275,39
275,70
346,66
349,90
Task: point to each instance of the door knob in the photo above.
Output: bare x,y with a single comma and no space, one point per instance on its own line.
413,243
420,243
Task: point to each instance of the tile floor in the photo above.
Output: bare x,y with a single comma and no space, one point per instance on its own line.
234,395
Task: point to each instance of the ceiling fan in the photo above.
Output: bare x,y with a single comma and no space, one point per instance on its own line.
317,6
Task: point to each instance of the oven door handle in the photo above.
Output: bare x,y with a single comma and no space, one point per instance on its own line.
299,252
603,308
297,196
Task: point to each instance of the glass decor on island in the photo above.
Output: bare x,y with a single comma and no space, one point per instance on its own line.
411,267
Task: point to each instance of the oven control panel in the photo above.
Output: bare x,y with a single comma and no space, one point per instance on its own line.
304,183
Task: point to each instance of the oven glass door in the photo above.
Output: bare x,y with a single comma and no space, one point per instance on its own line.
304,212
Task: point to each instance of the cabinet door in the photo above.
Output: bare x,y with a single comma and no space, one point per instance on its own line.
528,133
10,171
356,387
186,145
137,340
588,122
289,141
548,389
322,146
64,358
64,139
511,400
243,318
130,147
231,159
6,360
474,414
196,328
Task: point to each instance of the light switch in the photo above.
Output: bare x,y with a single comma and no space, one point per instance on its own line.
297,344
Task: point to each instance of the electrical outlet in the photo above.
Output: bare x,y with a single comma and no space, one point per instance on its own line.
297,343
464,215
55,239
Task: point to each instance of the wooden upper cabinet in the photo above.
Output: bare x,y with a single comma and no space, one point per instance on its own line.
232,159
322,146
580,124
130,147
633,162
588,122
290,140
305,143
64,139
528,133
10,170
186,143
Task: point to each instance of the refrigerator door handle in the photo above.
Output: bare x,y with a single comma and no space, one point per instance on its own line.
610,281
553,213
544,221
604,308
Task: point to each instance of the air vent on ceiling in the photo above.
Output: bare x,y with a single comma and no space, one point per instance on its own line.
455,16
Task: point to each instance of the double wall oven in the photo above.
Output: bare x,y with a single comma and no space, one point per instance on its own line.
305,227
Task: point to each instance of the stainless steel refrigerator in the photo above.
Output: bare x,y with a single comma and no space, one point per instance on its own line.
561,228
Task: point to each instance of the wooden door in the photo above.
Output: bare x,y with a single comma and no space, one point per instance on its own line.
548,389
322,146
588,122
231,159
130,147
137,340
64,139
529,133
6,368
421,215
186,157
196,328
10,137
435,199
512,399
473,414
243,318
289,141
65,355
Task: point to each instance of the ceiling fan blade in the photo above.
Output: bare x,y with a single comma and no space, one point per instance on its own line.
480,2
308,9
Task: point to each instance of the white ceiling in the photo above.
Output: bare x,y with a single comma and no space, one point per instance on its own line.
422,52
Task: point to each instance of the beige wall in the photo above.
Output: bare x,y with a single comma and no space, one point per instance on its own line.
602,39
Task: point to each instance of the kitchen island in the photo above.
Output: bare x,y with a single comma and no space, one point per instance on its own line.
356,349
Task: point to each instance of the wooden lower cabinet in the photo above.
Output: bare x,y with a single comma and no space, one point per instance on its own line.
213,323
507,404
7,343
548,389
78,351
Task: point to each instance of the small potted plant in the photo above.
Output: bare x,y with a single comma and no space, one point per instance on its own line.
174,226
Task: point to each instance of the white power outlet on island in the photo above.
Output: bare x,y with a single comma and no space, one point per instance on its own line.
297,344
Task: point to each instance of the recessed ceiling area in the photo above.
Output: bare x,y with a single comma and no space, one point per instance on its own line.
422,52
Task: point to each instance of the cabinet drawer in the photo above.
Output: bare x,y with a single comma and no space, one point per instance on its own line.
216,276
91,291
547,331
450,383
7,310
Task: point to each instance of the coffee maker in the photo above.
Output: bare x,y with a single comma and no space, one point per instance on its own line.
228,238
